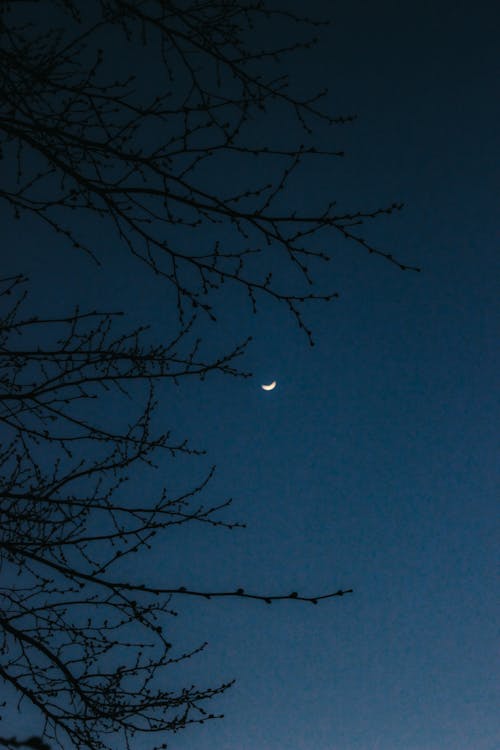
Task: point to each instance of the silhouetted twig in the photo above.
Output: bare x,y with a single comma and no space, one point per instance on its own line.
177,176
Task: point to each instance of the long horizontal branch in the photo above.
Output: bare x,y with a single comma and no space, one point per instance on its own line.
118,587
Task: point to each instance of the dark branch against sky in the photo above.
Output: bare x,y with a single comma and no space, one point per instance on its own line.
371,465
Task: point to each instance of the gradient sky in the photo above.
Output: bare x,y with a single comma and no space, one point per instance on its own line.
372,464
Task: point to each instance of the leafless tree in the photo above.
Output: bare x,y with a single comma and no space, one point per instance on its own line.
78,642
138,153
80,137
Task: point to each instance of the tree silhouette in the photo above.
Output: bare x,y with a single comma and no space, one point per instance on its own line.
137,153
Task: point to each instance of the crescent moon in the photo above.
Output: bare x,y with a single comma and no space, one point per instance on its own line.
269,387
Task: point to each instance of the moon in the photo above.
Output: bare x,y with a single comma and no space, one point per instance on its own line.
269,387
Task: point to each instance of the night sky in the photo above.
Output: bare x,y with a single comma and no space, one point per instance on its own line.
372,464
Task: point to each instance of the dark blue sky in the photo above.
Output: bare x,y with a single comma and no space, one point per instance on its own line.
372,464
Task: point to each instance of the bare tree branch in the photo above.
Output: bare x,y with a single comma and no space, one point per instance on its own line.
140,164
163,157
